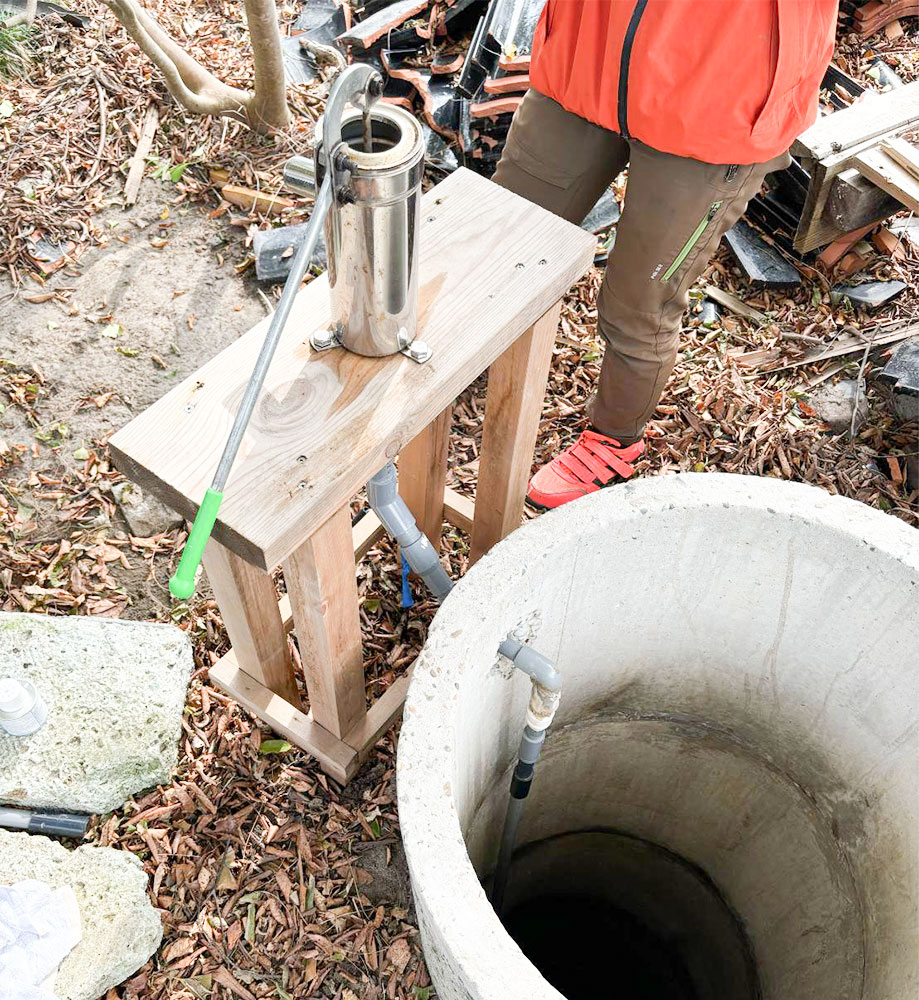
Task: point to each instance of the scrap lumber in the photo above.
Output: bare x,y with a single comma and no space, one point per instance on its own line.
257,201
831,145
735,304
141,152
905,153
850,343
873,116
879,166
855,201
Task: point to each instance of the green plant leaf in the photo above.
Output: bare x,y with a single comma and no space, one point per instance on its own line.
274,746
6,109
111,330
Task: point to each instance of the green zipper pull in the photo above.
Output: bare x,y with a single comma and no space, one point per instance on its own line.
692,241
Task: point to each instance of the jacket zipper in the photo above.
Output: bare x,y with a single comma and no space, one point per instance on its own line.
624,67
692,241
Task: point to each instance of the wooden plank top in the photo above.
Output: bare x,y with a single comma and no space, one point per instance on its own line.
872,116
491,264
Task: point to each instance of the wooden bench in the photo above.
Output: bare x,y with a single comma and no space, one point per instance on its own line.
493,271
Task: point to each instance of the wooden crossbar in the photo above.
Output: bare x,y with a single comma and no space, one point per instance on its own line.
340,757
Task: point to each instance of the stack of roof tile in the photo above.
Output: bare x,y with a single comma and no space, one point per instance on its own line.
465,99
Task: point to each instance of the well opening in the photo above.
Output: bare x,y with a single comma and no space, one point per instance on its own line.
603,914
732,764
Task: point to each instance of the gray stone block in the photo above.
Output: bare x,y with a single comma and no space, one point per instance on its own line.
836,403
145,515
121,930
115,692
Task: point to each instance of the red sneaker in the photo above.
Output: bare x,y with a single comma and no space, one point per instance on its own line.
592,462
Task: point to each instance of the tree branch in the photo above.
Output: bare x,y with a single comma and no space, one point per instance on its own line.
269,106
26,16
189,83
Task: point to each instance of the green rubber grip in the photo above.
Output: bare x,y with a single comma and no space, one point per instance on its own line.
182,583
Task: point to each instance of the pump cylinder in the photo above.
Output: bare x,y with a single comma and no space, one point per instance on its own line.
372,230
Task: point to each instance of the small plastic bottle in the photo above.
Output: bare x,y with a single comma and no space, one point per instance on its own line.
22,712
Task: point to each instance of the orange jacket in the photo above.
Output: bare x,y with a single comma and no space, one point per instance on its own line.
724,81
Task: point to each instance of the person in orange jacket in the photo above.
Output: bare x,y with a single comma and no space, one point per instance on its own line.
701,99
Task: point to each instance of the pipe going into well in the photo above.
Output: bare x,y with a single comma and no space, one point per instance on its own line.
421,556
735,778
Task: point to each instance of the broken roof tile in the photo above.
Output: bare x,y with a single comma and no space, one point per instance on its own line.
372,29
761,262
498,106
510,84
870,294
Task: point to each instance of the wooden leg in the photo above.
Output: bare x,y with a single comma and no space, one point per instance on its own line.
422,473
322,585
516,388
248,603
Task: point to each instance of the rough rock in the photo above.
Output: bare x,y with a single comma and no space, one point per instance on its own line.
836,403
144,514
121,930
115,692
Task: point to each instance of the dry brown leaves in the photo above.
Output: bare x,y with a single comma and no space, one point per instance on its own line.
252,865
76,118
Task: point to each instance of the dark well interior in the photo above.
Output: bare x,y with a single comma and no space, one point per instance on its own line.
602,914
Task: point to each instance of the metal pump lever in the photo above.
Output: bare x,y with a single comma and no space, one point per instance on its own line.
353,83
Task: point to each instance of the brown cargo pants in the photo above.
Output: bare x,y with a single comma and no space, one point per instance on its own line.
676,210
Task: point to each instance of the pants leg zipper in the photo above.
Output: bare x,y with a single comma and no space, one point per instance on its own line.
692,241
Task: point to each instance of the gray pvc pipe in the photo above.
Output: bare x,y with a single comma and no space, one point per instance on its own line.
540,668
528,753
397,519
420,554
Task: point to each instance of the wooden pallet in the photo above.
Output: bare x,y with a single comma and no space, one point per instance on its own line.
494,268
831,146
